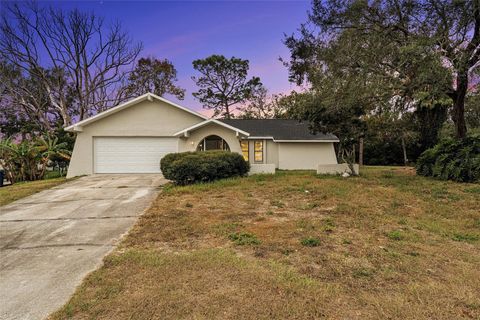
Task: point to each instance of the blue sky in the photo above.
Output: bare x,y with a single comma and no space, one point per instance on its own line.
182,31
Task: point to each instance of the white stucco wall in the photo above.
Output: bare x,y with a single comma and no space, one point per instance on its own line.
305,155
263,168
147,118
272,152
294,155
337,168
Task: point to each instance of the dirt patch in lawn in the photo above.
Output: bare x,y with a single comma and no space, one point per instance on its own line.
295,245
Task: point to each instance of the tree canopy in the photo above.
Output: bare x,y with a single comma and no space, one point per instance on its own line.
264,106
390,53
156,76
223,83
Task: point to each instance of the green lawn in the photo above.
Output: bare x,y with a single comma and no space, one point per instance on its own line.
386,245
23,189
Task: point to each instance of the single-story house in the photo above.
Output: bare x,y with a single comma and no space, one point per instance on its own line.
134,136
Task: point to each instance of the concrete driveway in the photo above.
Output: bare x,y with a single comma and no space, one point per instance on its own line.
51,240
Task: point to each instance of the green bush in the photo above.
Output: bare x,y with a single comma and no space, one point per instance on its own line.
203,166
457,160
244,238
396,235
310,242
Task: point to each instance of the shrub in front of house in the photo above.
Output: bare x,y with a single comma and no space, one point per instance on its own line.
457,160
202,166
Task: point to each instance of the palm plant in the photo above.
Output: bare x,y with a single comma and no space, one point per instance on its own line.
48,148
19,160
7,155
27,160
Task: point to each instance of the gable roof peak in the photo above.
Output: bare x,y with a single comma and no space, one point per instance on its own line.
146,96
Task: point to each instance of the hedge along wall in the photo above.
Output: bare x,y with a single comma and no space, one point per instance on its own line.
202,166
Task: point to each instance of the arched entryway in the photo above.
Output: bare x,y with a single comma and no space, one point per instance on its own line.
213,142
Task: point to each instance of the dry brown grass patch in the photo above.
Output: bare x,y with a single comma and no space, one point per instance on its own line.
386,239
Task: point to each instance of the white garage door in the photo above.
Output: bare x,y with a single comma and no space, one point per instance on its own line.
131,154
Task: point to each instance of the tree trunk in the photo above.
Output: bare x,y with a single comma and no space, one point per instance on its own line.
227,112
44,169
404,149
459,105
360,152
354,154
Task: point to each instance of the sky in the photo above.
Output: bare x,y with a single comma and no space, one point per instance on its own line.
182,31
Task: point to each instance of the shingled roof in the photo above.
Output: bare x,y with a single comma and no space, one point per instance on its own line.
278,129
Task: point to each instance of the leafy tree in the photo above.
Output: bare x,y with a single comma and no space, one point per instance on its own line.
223,83
390,139
263,106
339,98
342,118
472,112
406,52
428,122
156,76
286,103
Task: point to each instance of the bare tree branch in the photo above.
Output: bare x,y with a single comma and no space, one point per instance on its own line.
81,63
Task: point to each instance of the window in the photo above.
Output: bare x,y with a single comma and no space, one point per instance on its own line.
213,143
258,151
245,149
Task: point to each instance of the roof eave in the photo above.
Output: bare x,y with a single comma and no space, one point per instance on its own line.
206,122
306,140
